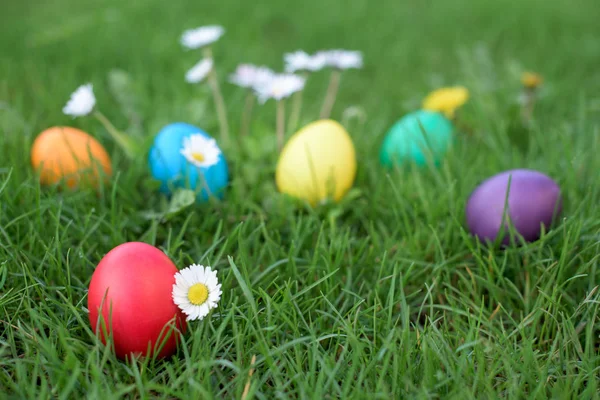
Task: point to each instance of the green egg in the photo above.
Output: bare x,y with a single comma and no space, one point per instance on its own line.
417,137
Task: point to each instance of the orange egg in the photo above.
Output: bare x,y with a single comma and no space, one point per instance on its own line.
68,154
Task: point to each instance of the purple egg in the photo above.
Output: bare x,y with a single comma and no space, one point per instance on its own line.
533,200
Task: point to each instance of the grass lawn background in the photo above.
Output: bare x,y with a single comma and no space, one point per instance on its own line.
383,296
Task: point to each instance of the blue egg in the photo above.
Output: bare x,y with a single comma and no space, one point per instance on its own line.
173,170
417,137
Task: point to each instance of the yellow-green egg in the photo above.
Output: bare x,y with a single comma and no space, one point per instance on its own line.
317,163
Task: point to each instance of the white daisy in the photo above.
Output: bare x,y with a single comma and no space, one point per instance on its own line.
82,101
199,71
302,61
201,37
280,87
343,59
196,291
251,76
200,150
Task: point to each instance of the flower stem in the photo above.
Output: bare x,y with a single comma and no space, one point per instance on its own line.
280,124
527,111
246,116
124,141
218,97
332,89
296,109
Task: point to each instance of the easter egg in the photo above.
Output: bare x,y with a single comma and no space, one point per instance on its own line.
68,154
417,137
184,156
317,163
533,201
132,290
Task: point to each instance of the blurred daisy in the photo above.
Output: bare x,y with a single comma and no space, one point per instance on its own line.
82,101
279,87
196,291
339,60
251,76
531,80
200,150
201,37
342,59
302,61
446,100
199,71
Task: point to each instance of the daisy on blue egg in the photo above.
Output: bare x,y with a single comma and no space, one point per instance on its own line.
200,151
184,156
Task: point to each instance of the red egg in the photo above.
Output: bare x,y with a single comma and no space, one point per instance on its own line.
132,287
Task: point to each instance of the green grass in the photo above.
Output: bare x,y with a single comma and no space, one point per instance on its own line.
383,296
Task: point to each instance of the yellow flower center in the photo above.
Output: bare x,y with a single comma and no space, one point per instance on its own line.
198,157
531,80
198,294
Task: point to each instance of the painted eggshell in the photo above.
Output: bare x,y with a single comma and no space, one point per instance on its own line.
173,170
68,154
132,286
534,200
317,163
416,137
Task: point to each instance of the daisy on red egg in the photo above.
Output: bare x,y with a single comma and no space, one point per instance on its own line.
196,291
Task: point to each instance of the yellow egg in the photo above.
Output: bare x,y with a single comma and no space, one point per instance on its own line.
317,163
